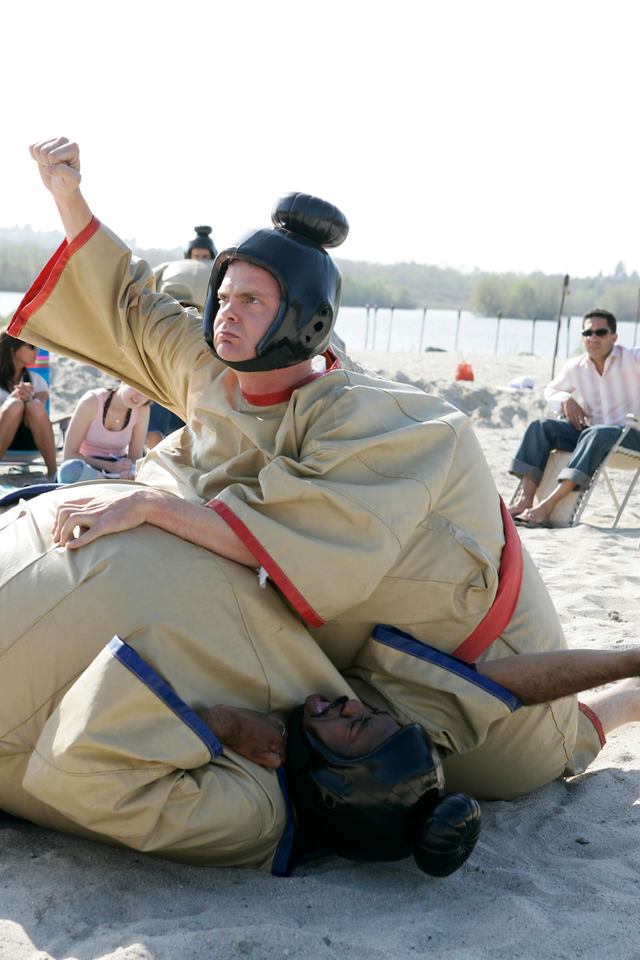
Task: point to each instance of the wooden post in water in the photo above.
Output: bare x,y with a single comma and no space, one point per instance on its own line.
366,329
424,321
635,329
565,291
568,336
533,334
375,324
390,328
498,319
455,342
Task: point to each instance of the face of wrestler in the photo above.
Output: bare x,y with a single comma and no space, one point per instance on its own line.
248,302
598,348
199,253
348,727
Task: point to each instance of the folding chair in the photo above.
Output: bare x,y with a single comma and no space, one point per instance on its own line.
570,509
618,458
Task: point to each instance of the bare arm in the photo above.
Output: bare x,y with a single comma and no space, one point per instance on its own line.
83,414
97,516
138,437
542,677
59,165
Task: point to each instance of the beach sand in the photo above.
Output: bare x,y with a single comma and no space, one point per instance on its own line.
555,874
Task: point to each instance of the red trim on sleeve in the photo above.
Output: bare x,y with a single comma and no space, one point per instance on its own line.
48,277
278,576
595,720
499,614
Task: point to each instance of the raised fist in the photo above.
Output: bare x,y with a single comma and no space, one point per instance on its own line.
59,165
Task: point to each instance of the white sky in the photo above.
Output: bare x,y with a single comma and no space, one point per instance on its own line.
500,134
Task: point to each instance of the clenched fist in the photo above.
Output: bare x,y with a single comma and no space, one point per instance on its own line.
59,165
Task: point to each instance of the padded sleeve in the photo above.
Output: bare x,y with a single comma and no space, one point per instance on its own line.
125,757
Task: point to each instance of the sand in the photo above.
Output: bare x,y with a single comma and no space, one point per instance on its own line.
555,874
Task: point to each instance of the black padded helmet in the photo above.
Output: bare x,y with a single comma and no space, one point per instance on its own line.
293,252
201,241
382,806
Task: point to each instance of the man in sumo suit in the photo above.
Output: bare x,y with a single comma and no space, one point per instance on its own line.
355,500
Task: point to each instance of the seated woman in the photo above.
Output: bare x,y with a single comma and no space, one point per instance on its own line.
24,421
106,435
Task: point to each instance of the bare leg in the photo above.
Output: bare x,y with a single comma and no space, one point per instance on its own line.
153,439
37,420
542,677
616,705
11,415
545,508
525,499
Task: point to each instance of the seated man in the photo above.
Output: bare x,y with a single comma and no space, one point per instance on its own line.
607,377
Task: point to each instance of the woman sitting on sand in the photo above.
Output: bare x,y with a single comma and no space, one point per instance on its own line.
24,421
106,435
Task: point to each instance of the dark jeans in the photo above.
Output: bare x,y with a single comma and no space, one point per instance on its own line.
163,421
590,446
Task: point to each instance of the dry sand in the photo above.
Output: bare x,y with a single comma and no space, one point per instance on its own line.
555,874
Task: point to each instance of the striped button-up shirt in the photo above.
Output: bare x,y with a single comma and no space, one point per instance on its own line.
606,398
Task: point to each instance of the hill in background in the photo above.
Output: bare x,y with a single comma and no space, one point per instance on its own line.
24,251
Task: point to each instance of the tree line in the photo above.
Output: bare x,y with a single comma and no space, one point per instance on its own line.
24,252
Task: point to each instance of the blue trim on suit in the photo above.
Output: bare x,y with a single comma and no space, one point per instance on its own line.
144,672
405,643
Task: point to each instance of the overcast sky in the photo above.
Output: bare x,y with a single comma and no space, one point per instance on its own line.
498,135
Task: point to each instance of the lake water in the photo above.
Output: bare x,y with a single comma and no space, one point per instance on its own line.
461,332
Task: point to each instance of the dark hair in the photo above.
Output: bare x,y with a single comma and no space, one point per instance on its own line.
8,347
604,315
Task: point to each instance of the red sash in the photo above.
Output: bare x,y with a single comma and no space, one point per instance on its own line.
498,616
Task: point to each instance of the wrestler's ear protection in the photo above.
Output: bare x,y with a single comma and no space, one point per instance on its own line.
445,839
294,253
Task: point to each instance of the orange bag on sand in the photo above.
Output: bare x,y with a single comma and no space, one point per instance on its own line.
464,371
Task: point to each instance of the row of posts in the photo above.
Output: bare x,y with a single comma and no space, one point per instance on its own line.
371,324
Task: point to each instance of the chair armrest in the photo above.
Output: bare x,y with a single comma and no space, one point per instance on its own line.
62,423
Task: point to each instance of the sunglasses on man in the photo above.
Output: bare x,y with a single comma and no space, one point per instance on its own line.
600,332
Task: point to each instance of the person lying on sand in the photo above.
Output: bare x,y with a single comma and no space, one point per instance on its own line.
361,784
